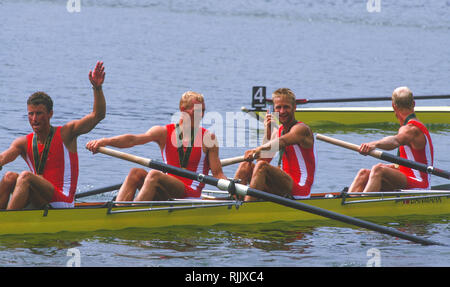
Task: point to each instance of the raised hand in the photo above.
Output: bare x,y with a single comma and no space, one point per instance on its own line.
98,76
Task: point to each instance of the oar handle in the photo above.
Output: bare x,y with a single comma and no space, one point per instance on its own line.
125,156
347,145
232,160
145,162
161,166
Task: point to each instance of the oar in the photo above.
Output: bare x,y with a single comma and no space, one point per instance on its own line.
244,190
232,160
388,157
361,99
224,162
98,191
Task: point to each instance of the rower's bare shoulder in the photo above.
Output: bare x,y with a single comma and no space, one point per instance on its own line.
411,134
305,134
302,129
156,133
157,130
409,131
18,146
20,143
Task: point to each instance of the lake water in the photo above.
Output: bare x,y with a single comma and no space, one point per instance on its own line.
156,50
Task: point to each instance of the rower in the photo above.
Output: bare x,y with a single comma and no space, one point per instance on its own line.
185,144
294,142
50,152
413,142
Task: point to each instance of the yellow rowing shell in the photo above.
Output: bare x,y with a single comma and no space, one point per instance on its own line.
361,115
93,216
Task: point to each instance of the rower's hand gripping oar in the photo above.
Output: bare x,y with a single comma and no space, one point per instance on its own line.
388,157
244,190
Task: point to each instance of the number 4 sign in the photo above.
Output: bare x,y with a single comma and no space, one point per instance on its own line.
259,97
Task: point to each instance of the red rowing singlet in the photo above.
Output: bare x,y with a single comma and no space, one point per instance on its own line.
198,161
418,179
300,163
61,169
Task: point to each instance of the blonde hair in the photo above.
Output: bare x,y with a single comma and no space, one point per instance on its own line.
402,97
285,93
188,96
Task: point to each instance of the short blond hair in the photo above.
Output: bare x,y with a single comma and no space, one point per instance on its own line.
188,96
403,98
285,93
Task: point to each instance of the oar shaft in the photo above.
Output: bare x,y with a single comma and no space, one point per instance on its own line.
339,217
160,166
415,165
98,191
142,161
347,145
387,157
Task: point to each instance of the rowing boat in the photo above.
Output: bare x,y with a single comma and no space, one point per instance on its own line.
350,116
213,210
434,115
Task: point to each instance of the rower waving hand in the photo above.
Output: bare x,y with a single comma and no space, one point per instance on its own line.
50,152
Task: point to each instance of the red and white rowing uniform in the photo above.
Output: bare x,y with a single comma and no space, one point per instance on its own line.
300,163
417,179
61,169
198,161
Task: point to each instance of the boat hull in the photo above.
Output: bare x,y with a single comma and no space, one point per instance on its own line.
92,218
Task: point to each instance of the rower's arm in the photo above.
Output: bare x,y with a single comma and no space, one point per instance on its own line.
17,147
405,136
73,129
155,134
299,134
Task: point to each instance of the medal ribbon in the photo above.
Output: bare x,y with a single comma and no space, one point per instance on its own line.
184,156
39,161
